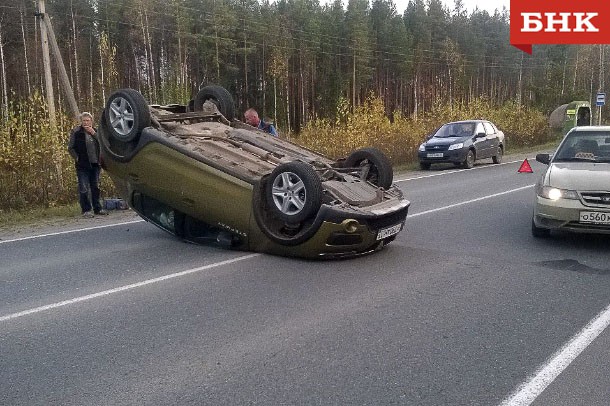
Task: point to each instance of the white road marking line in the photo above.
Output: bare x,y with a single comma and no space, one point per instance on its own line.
526,393
455,171
124,288
70,231
139,221
478,199
190,271
546,374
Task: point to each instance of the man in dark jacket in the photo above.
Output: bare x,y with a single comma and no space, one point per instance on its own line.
85,149
251,117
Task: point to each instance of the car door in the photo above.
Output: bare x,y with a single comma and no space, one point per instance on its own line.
480,142
492,141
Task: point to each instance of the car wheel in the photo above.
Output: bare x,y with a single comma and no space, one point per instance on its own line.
424,166
126,114
498,157
219,96
469,161
373,166
539,232
294,192
277,230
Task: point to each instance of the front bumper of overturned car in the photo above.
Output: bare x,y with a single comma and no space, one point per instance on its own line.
564,214
344,233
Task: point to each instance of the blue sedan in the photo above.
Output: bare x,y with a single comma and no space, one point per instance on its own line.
462,143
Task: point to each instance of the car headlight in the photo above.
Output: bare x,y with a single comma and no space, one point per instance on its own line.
459,145
554,193
422,147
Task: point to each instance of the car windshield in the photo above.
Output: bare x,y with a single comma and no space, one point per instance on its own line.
583,146
455,130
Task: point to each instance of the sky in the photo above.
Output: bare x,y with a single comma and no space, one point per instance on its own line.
489,5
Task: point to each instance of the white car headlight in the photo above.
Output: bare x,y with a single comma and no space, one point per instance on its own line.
554,193
422,147
459,145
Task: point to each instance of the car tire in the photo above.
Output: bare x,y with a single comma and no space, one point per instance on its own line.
498,157
126,114
424,165
294,192
469,161
374,161
540,232
219,96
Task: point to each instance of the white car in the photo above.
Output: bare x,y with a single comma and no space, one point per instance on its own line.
573,194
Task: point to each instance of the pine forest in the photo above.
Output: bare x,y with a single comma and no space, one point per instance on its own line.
335,75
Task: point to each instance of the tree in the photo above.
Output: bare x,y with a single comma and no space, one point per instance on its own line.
359,40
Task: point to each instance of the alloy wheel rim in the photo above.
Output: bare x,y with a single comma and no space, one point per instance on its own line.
289,194
121,116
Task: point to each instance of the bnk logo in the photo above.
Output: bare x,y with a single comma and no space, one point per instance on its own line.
558,22
562,22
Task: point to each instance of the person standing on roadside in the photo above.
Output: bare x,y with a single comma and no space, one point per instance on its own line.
251,118
85,149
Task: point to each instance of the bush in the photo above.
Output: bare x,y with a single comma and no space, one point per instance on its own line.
37,171
400,138
35,167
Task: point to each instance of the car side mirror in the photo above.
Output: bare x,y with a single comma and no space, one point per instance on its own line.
543,158
480,135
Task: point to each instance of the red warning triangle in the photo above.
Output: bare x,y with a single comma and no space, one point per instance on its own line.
525,167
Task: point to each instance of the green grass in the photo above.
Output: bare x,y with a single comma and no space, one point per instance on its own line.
524,150
11,218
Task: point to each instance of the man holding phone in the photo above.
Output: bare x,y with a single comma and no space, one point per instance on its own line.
85,149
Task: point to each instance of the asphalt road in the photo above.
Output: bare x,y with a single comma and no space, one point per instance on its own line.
463,308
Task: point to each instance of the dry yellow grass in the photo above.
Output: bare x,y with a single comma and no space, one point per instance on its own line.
37,171
399,138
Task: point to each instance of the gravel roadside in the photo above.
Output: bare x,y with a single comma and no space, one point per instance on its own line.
56,225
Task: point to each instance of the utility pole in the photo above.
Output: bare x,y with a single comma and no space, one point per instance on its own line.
46,60
48,35
63,75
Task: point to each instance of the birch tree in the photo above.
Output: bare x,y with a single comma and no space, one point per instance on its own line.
4,86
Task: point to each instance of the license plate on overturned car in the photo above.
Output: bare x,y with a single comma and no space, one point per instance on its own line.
389,231
594,217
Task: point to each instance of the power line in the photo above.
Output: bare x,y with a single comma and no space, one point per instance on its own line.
389,57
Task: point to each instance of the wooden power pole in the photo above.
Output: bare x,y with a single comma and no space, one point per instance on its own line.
63,75
46,60
48,35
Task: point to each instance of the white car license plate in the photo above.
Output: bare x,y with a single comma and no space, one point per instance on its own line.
435,155
594,217
389,231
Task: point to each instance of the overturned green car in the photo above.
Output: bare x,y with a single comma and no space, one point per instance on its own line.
198,173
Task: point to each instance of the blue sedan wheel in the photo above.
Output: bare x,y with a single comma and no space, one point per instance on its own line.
469,161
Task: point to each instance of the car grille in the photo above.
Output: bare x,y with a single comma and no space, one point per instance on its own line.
437,148
386,221
344,239
597,199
